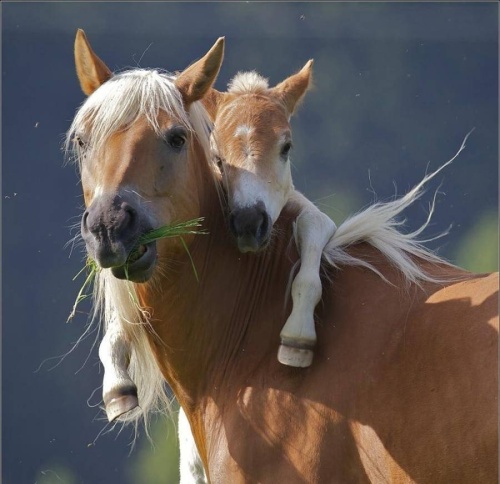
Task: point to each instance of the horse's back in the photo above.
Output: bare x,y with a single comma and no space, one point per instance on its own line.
471,301
415,374
403,388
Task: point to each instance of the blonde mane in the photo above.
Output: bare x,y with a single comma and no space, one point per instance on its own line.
119,102
116,104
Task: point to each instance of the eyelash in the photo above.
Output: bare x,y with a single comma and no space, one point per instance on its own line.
176,141
219,162
175,138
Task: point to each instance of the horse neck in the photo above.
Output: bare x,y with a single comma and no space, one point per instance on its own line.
203,326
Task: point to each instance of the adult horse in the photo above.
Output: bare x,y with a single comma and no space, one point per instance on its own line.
404,383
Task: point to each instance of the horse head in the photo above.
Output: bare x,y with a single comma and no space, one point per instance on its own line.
137,138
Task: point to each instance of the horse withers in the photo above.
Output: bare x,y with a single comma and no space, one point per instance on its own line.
406,360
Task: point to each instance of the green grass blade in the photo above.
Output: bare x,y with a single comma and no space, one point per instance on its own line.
92,267
191,259
174,230
190,227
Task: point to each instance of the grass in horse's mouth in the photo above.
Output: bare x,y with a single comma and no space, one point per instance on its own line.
136,254
173,230
191,227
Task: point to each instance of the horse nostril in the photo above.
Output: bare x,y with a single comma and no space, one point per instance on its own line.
85,227
129,209
127,217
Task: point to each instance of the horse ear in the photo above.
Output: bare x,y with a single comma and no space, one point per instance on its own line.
92,72
212,100
197,79
292,89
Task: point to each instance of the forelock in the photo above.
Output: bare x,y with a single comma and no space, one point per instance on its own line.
125,97
248,82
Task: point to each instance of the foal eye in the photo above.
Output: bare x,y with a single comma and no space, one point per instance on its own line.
218,160
285,149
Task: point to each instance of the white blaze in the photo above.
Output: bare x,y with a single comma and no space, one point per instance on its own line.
243,130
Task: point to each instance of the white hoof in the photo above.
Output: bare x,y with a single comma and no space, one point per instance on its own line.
119,402
297,357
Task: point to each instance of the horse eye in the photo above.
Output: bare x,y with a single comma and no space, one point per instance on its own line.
176,141
80,141
285,149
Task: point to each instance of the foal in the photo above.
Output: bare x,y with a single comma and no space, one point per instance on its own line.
251,142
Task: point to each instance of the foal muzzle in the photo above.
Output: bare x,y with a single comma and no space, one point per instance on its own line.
251,226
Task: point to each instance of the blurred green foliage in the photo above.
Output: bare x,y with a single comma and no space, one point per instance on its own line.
478,250
157,461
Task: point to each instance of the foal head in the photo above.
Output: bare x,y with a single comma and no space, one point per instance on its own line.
138,138
251,142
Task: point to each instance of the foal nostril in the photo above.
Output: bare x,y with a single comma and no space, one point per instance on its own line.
232,224
264,225
251,222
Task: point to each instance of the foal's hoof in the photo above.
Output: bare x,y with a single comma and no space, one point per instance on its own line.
296,356
119,402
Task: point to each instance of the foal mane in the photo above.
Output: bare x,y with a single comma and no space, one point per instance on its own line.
248,83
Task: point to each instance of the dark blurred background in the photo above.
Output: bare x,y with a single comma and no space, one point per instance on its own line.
397,87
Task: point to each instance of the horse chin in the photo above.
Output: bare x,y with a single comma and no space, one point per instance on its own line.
141,269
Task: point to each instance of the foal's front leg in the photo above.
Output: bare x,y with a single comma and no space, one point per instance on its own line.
118,390
298,337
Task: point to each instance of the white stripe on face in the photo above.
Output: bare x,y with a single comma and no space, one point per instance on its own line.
249,189
243,130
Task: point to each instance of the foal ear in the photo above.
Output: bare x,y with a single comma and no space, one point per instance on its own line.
198,78
92,72
292,89
212,101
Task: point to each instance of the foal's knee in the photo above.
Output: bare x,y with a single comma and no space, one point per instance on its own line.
306,289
